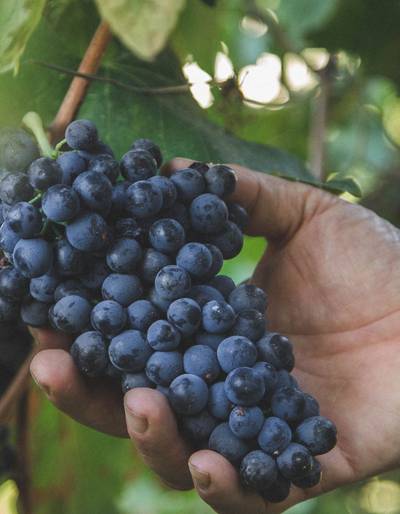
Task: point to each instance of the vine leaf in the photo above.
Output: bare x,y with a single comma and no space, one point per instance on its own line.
142,25
177,123
18,19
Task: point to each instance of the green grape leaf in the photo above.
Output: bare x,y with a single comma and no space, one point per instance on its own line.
338,184
18,19
142,25
174,121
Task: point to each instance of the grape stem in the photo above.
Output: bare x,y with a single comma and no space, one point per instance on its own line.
33,122
77,89
36,198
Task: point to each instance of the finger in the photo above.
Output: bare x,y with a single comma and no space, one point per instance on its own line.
96,404
152,426
277,207
217,482
47,339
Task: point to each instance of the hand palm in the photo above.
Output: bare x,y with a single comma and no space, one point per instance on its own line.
334,289
330,273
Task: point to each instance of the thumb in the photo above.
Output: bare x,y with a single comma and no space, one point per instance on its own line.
277,207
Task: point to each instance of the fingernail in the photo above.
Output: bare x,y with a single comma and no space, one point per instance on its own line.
201,478
138,424
43,387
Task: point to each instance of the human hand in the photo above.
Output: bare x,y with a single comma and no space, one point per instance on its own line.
330,272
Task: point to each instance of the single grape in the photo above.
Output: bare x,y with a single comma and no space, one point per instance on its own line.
94,190
218,403
318,434
229,240
277,350
167,188
68,261
149,146
88,232
167,236
123,289
13,284
133,380
208,214
224,284
33,312
185,315
82,135
288,404
269,374
250,323
195,258
311,479
275,436
246,422
258,471
108,317
163,336
141,314
32,257
235,352
217,317
71,314
124,255
198,428
60,203
152,262
224,441
202,294
17,149
163,367
295,462
202,361
244,386
138,165
43,173
71,164
144,199
24,219
89,352
42,288
188,394
189,184
172,282
248,296
106,165
220,180
15,187
129,351
238,215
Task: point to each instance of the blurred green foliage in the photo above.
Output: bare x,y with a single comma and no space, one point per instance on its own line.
76,470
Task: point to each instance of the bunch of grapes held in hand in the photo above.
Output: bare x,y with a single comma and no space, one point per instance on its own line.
127,261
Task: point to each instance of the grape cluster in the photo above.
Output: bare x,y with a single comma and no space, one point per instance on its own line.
127,261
